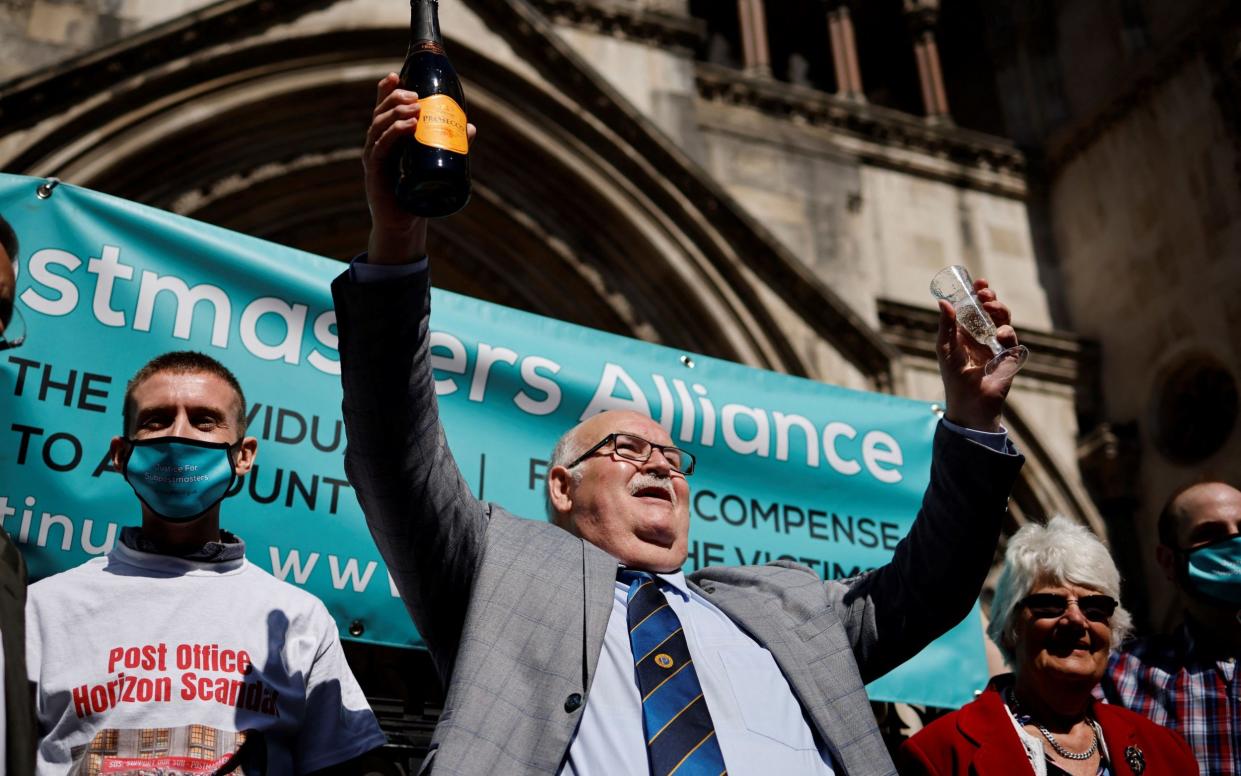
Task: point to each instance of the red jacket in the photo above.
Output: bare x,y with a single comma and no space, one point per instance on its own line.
979,740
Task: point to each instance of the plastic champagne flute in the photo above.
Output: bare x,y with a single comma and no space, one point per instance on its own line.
955,286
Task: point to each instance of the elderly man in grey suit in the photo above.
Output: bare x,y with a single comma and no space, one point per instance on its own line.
579,647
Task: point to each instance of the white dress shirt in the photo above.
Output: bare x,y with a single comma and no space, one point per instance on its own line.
758,720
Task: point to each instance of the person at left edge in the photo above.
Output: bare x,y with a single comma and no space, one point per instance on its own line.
16,713
8,286
173,652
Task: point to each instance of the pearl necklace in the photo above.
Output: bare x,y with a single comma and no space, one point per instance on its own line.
1060,750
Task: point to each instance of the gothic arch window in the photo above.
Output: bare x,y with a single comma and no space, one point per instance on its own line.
721,44
886,56
797,34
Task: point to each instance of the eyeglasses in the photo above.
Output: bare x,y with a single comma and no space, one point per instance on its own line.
1096,608
635,448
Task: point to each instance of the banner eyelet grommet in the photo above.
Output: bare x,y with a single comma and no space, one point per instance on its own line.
937,410
687,362
45,189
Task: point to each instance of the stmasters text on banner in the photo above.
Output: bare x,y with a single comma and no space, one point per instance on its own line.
788,468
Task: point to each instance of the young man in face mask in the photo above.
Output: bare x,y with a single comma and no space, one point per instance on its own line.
1187,681
173,651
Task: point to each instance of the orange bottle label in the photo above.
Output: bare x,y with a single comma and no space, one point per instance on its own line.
441,124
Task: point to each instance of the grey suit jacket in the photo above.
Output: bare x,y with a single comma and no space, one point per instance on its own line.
514,610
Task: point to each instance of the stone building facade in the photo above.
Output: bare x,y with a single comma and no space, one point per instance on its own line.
772,182
1132,108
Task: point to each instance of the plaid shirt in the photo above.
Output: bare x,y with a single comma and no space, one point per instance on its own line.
1164,678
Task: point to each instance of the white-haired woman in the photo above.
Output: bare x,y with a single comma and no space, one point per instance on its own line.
1056,617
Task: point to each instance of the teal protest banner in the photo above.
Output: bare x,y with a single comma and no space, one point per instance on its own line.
788,468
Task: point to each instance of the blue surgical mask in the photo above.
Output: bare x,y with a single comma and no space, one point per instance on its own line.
177,478
1213,571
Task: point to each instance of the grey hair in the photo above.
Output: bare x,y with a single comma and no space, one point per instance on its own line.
567,448
1060,552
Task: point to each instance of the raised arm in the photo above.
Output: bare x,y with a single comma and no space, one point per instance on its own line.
938,570
426,523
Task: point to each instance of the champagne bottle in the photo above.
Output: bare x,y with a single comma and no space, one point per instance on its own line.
433,167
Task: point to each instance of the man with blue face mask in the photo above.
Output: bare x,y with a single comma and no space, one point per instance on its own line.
1187,681
173,653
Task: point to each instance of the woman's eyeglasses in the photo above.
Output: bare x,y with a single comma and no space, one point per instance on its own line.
1096,608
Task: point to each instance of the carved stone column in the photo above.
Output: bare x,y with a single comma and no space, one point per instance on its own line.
844,50
754,50
921,15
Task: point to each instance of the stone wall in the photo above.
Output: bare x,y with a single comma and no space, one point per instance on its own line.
1132,109
40,33
1147,220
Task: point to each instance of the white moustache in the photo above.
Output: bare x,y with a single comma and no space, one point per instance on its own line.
648,480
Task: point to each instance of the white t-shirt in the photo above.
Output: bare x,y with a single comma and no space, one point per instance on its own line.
145,662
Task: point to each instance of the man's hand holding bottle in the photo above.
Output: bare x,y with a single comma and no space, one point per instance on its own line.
417,153
397,236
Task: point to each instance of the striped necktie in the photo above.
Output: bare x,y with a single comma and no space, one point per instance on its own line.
680,737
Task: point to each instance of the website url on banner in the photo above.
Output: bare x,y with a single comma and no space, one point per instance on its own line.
35,527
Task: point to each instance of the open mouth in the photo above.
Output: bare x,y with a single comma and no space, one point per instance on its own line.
647,485
652,491
1069,647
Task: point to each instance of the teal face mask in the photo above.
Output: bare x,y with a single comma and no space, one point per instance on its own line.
177,478
1214,570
